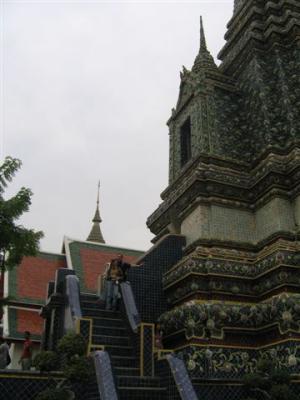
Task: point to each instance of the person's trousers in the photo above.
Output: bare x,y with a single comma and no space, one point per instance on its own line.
112,295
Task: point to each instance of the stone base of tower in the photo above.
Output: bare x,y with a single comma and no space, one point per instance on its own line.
230,308
234,274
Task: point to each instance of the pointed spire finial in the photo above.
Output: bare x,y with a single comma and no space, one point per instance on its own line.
203,46
204,58
98,193
96,234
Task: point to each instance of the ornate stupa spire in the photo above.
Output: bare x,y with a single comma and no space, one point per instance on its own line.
204,59
237,4
203,47
96,234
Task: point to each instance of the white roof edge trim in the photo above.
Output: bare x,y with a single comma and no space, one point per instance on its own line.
52,253
68,241
25,308
105,245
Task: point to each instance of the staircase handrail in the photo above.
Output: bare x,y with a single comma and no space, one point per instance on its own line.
73,307
132,313
181,377
128,300
105,379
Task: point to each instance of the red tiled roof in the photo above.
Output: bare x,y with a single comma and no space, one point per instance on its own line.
34,274
29,321
94,262
89,259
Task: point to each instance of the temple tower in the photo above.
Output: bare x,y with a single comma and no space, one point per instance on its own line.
234,193
96,234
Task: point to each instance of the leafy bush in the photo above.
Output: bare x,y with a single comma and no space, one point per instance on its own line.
76,366
253,381
265,366
268,383
55,394
78,369
250,380
281,377
71,345
281,392
46,361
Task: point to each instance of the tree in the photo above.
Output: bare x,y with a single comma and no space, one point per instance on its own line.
15,240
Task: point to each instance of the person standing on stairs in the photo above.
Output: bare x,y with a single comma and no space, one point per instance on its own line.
116,274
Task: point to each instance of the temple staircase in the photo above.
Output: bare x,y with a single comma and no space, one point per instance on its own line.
110,331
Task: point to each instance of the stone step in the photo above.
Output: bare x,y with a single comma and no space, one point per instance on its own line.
86,297
92,304
137,381
128,391
144,393
111,340
126,351
135,393
116,350
123,361
126,371
110,331
99,313
108,322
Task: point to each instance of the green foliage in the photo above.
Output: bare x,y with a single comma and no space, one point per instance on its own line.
55,394
281,377
78,369
252,381
7,171
15,240
268,383
71,345
46,361
265,366
282,392
76,366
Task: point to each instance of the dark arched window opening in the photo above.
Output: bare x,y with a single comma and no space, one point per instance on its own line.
185,142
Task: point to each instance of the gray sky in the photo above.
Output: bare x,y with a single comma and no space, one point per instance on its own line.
86,90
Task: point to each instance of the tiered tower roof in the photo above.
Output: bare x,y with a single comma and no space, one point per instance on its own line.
96,234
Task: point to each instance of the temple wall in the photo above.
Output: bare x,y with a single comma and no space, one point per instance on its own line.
231,224
297,211
223,223
277,215
196,224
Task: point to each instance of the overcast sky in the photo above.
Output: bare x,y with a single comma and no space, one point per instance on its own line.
86,90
